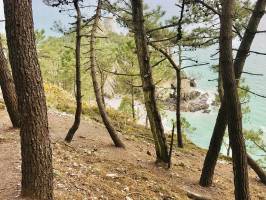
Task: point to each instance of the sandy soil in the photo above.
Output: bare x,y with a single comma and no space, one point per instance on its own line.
92,168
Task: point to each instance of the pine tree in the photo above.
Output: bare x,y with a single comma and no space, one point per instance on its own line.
36,152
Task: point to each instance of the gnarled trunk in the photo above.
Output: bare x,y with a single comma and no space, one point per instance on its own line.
8,90
147,82
36,152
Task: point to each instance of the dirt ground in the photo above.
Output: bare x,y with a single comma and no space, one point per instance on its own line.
92,168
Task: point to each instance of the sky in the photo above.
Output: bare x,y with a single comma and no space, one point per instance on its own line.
45,16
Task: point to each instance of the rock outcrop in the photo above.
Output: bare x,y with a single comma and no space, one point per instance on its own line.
192,100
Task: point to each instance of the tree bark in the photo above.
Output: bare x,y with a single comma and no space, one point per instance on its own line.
8,89
178,102
147,82
259,171
214,148
221,121
102,87
36,152
178,114
97,92
233,106
132,100
76,123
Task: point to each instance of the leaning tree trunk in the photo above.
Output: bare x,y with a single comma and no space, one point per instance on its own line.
8,89
233,106
97,92
147,82
75,126
36,152
221,121
102,86
252,163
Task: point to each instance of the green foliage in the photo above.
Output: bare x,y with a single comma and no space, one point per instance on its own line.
39,36
256,144
125,105
187,126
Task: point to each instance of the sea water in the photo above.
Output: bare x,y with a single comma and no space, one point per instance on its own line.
256,119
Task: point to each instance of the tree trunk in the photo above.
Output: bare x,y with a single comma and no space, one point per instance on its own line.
147,82
76,123
36,152
214,148
177,68
178,101
133,100
252,163
221,121
102,88
101,84
178,114
8,89
97,92
233,106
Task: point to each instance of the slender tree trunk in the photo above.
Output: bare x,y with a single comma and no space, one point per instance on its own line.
233,106
178,113
36,152
221,121
102,89
178,101
177,68
8,89
97,92
101,84
147,82
171,146
133,100
76,123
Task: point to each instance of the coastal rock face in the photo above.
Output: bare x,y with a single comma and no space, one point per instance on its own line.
197,104
192,100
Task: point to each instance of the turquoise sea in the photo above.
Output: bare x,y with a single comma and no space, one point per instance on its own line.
204,123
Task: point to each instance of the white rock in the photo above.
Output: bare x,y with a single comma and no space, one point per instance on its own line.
112,175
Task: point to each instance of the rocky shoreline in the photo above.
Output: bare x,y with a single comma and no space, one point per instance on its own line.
192,100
